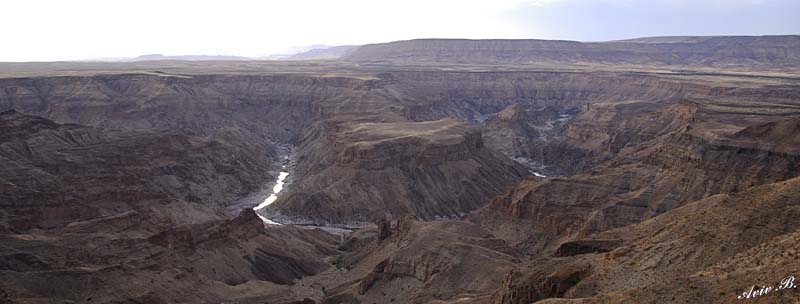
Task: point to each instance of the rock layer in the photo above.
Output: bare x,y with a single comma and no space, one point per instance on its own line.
678,257
54,175
664,164
425,169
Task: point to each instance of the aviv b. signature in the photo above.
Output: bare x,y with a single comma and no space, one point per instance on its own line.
754,291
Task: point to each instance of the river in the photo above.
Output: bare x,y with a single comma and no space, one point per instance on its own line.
272,197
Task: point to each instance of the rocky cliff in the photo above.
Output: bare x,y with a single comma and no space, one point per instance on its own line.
212,262
92,214
671,165
407,261
678,256
388,170
55,175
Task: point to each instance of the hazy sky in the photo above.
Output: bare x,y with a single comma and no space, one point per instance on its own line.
40,30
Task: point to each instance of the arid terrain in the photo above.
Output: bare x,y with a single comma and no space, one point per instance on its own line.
653,170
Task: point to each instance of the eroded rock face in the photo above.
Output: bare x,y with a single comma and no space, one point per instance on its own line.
624,106
237,258
515,129
672,165
551,281
678,256
56,175
106,215
421,262
425,169
577,247
780,136
258,108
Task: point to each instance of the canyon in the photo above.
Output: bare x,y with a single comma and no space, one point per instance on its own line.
655,170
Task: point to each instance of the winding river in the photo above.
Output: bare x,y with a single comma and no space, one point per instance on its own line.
272,197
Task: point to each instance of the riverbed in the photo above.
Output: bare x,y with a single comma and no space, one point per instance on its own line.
273,196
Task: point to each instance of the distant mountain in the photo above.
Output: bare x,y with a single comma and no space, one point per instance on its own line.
152,57
326,52
669,39
717,51
305,53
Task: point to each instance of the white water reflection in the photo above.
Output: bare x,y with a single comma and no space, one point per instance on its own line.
275,190
272,197
267,221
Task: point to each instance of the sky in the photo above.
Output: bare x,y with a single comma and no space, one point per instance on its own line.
50,30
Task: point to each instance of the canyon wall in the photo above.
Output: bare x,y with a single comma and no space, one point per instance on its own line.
116,187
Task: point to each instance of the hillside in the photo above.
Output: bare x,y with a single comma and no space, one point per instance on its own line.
777,52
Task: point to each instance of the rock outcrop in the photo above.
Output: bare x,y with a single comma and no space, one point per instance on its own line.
425,169
233,259
56,175
423,262
679,257
665,163
780,136
91,214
